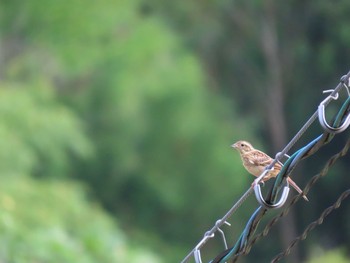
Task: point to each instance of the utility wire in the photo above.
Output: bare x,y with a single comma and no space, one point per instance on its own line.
296,198
240,247
311,226
341,122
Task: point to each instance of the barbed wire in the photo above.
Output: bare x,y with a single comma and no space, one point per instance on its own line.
296,198
306,151
287,168
312,225
340,123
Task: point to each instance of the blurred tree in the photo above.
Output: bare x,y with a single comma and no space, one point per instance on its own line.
336,256
275,57
38,134
161,138
46,221
50,221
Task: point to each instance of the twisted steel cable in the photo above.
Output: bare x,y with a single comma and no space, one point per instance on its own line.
296,198
242,246
312,225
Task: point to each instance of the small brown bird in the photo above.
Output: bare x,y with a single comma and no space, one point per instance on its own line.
255,162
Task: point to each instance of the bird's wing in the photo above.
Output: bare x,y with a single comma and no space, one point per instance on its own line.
260,158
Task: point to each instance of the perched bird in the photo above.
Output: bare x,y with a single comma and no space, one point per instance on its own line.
255,162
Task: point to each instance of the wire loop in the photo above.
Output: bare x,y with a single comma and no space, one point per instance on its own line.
218,224
197,255
325,125
241,247
321,110
280,203
260,178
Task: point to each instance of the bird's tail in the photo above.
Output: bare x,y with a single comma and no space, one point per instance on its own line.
296,187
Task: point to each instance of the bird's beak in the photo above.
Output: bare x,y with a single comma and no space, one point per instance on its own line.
234,146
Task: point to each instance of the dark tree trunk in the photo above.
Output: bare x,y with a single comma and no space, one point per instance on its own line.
277,127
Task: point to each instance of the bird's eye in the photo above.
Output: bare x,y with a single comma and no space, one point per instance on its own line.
242,145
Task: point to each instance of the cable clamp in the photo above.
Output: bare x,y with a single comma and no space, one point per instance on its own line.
322,118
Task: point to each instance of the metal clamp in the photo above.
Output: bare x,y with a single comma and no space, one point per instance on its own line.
261,177
322,118
280,203
218,224
197,252
197,255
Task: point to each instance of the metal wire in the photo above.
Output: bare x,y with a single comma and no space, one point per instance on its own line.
218,224
296,198
287,168
311,226
241,245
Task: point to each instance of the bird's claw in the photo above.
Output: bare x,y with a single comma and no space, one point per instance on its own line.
255,182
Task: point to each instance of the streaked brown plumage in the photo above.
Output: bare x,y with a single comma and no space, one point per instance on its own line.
255,162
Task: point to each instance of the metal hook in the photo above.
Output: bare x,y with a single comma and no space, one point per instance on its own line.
322,118
261,177
218,223
334,97
196,251
347,88
343,79
197,255
280,203
279,156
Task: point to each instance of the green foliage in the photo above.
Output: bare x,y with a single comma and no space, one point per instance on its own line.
107,91
38,134
310,43
162,138
50,221
68,35
335,255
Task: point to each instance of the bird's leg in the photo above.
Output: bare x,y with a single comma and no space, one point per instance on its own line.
256,181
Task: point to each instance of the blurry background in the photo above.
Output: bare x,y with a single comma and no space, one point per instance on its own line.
116,118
